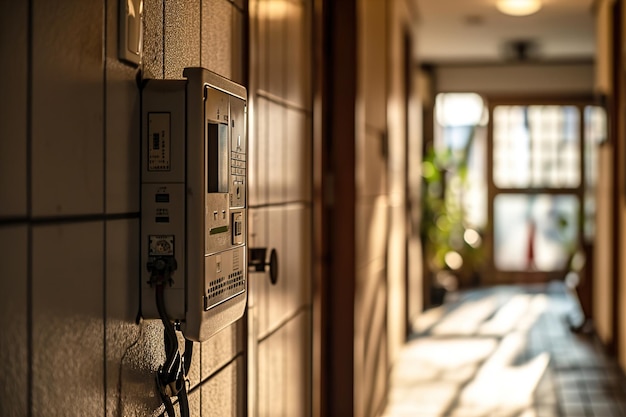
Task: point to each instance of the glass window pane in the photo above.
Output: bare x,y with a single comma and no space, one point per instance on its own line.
536,146
460,147
511,147
534,232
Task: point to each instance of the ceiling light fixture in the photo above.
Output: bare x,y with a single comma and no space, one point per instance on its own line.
518,7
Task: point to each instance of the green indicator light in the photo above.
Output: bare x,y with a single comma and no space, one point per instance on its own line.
217,230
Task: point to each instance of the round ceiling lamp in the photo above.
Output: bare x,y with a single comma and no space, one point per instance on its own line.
518,7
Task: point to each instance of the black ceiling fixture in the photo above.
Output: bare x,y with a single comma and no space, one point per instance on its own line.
521,50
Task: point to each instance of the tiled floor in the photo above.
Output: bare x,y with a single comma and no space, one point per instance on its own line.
505,352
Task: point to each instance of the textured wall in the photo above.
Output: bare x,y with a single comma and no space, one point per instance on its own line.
372,209
280,201
382,161
69,201
603,250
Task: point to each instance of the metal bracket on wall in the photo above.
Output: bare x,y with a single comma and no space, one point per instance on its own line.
258,263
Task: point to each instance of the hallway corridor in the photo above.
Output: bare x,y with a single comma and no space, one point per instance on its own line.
504,352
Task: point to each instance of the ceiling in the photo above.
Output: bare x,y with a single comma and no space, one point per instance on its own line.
468,31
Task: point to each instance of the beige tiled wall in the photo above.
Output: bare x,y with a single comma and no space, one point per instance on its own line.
604,252
372,209
67,109
382,155
122,123
283,360
69,201
13,307
67,325
13,109
280,200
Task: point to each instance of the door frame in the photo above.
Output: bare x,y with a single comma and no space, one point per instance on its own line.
493,275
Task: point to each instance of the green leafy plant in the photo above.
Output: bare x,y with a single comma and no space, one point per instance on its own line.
450,245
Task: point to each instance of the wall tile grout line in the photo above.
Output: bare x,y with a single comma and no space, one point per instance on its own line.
29,210
302,309
78,218
282,102
286,104
104,202
284,204
215,373
17,220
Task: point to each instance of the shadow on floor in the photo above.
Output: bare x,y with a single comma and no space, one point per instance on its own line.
504,352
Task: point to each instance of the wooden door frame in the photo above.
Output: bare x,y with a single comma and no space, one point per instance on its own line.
320,249
334,95
616,128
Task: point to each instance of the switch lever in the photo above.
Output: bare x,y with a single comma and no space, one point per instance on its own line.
257,262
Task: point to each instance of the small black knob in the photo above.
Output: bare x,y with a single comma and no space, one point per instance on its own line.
273,264
257,262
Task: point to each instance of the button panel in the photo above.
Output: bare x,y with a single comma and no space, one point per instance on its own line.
238,178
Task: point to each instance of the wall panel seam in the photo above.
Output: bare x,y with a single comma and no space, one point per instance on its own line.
215,373
300,310
282,101
29,210
236,7
284,204
104,203
80,218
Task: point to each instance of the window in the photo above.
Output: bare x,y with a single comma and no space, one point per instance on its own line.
536,146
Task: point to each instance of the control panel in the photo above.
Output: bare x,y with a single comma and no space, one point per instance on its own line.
194,208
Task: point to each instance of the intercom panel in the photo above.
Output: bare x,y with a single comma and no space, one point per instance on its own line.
194,208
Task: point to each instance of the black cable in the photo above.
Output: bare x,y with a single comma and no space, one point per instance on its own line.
171,377
169,333
188,354
164,376
183,398
183,403
169,407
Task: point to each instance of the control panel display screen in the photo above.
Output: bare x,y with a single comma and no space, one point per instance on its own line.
217,158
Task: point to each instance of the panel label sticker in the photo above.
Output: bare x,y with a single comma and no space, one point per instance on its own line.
161,245
159,142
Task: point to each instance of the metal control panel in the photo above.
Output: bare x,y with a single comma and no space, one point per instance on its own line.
194,208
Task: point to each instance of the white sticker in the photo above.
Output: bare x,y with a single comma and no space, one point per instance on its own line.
158,142
161,245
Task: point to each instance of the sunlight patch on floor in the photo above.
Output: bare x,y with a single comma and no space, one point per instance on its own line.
503,387
466,319
468,361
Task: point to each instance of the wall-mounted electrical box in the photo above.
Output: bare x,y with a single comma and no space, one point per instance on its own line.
194,208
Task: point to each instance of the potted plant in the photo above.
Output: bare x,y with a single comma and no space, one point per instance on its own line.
453,250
